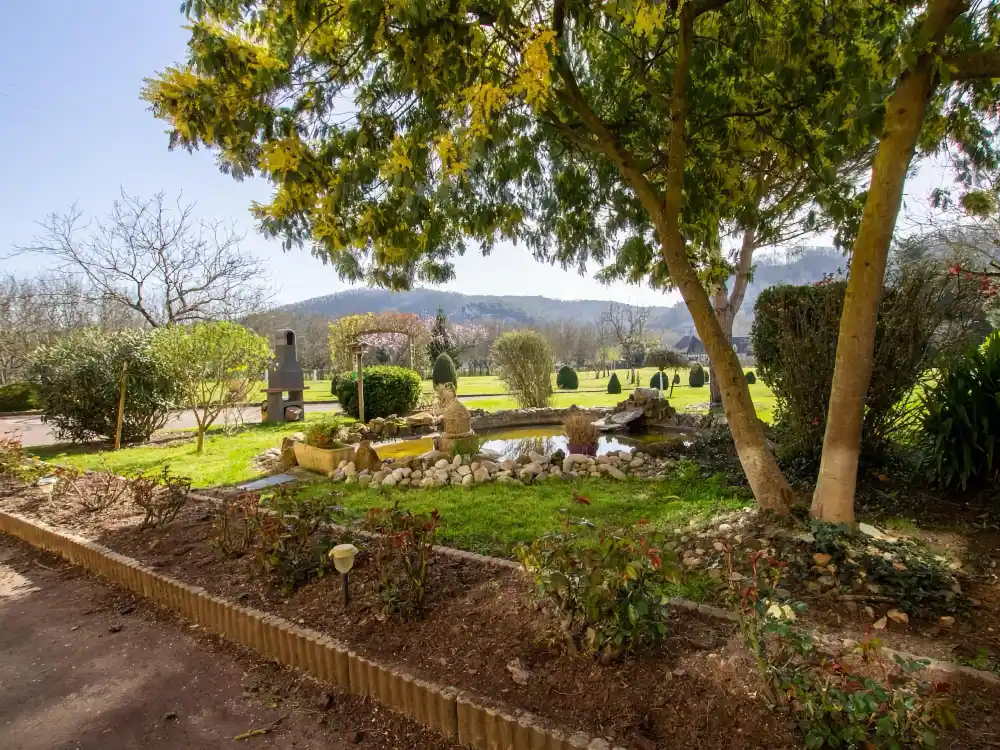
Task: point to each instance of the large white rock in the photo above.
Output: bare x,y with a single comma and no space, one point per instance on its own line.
390,481
536,457
416,474
364,479
442,463
467,479
457,460
573,458
533,467
350,469
490,466
464,471
611,471
481,475
508,465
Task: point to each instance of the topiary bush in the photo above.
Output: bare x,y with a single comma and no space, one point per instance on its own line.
750,377
444,371
524,363
21,396
567,378
389,389
961,425
614,385
79,380
659,380
677,378
696,376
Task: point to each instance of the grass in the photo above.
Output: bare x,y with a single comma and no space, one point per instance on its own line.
317,390
226,460
494,518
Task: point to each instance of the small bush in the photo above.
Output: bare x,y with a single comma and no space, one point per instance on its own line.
237,524
677,378
524,363
610,593
160,498
580,430
19,397
327,432
94,492
401,553
659,380
962,421
614,384
750,377
389,389
14,462
567,379
79,381
444,371
696,376
294,544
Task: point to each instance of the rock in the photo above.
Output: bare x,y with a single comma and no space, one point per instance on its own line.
490,466
416,474
299,437
827,581
350,469
537,458
691,562
481,475
464,471
573,458
390,481
533,467
420,419
555,471
457,460
611,471
947,622
898,616
605,459
805,537
635,463
467,478
880,623
504,479
718,547
726,528
526,475
518,673
822,559
364,479
874,533
442,464
365,457
323,701
339,475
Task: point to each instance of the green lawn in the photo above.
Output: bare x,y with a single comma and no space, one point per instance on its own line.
317,390
494,518
226,460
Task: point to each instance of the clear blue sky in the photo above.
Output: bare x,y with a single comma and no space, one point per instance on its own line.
74,130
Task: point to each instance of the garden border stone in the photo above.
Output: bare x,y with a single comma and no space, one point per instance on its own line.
458,715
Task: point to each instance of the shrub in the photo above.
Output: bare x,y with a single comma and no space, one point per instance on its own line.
294,543
580,429
750,377
14,462
962,421
389,389
444,371
567,378
677,379
922,315
19,397
159,497
401,553
696,376
614,385
327,431
659,380
524,363
79,380
237,524
94,492
610,593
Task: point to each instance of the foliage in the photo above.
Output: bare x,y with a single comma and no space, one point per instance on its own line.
389,389
614,384
835,701
663,359
401,552
22,396
750,377
580,429
160,497
961,426
327,431
659,380
696,376
14,462
216,366
441,342
524,363
79,380
610,593
294,541
567,379
444,371
923,315
378,331
94,492
237,524
676,380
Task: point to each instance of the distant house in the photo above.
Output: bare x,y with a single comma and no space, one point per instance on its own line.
691,346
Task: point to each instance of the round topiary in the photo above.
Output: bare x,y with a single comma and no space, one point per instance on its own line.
388,390
696,376
567,378
750,378
444,371
614,385
659,380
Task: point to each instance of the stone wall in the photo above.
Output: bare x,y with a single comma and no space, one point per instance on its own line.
483,420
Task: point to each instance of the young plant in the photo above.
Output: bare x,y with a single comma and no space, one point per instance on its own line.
610,592
100,491
293,541
401,553
159,497
15,463
237,524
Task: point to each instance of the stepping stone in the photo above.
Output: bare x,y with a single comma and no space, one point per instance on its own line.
271,481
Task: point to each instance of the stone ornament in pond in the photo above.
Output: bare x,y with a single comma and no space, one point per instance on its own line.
457,421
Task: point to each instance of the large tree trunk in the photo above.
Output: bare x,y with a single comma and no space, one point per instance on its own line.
905,111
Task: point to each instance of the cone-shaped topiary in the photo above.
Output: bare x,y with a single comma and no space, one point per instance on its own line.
444,371
659,380
696,376
750,378
567,378
614,385
677,378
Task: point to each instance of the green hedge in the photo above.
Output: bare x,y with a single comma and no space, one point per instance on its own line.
696,376
444,371
21,396
388,390
567,378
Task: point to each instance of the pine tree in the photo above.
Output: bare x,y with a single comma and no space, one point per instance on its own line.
441,342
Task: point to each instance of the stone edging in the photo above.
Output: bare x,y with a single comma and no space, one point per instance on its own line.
455,714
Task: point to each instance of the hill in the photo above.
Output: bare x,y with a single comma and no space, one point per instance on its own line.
801,266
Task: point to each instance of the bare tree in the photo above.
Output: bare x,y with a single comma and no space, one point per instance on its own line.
156,258
627,324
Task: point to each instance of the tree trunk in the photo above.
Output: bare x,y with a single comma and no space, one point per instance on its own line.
201,441
905,111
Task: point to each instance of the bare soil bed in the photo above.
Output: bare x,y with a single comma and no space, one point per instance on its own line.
698,689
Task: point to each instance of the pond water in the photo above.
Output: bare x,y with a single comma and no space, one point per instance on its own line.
510,443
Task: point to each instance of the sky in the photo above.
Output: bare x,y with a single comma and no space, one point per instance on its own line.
75,131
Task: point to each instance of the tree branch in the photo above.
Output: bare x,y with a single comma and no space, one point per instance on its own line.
975,65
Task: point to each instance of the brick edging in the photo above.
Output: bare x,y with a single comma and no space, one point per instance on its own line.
455,714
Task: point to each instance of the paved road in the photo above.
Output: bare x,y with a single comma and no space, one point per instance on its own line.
33,432
85,666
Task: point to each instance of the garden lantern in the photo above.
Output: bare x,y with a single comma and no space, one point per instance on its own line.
343,560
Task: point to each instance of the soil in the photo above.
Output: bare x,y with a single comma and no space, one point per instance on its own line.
89,666
482,628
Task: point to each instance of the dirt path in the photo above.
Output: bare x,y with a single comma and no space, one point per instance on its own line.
84,665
